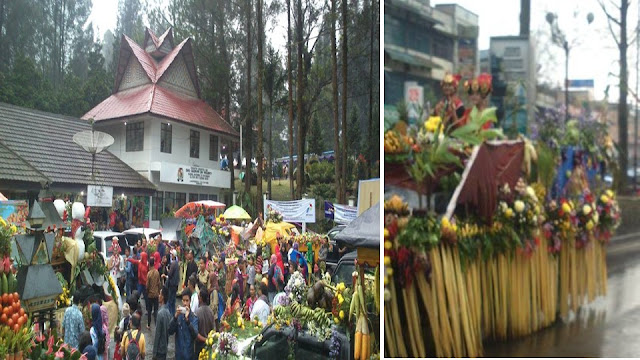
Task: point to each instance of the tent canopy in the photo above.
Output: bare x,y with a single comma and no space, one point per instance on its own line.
235,212
364,231
171,228
284,228
196,208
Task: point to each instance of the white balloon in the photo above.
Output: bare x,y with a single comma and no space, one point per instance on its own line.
77,211
80,249
59,205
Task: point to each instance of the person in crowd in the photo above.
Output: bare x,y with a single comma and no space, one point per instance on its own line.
99,333
162,248
164,269
261,308
134,301
251,300
233,302
258,262
130,284
207,259
134,335
122,327
213,296
153,291
203,274
143,270
116,264
194,302
185,325
289,248
84,340
173,279
192,267
73,323
309,256
206,320
303,268
222,276
280,250
161,333
239,277
90,352
273,275
251,272
157,259
280,298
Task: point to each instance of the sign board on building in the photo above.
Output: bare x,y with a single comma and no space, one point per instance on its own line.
302,211
583,83
192,175
342,214
414,98
368,194
99,196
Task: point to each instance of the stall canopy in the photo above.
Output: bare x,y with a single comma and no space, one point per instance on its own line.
196,208
364,231
235,212
171,228
271,231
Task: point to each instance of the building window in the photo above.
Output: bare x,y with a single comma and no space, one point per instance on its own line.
158,205
213,197
204,197
193,197
213,147
169,201
135,136
194,149
165,138
181,199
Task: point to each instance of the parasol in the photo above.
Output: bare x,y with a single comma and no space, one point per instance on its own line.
236,213
195,208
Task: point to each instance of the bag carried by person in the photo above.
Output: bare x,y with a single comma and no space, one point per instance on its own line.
133,349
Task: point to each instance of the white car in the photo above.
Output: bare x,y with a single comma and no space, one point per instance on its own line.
103,241
135,234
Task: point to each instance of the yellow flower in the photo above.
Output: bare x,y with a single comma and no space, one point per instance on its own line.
609,193
2,222
604,198
508,213
387,261
589,225
14,229
340,299
388,245
518,205
389,271
239,322
445,222
432,123
586,209
566,207
341,314
386,233
336,320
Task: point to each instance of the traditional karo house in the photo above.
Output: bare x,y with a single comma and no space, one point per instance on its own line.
162,127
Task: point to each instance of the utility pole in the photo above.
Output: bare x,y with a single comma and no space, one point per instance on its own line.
635,121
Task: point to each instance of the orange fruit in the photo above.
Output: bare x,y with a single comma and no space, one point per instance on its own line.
22,320
16,307
21,311
15,317
16,328
10,323
4,318
16,296
5,298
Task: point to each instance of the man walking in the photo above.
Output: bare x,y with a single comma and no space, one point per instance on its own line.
153,290
206,320
185,325
134,335
172,282
73,323
161,339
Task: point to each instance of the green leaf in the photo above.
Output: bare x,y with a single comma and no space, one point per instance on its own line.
488,114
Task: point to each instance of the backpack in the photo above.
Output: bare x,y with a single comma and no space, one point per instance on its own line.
133,349
221,305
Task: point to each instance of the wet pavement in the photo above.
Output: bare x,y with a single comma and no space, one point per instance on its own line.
608,327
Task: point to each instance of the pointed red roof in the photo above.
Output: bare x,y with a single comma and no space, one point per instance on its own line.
153,97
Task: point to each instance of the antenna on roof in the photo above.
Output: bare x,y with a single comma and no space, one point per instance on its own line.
93,142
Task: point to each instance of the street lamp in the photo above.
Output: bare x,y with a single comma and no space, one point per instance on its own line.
558,37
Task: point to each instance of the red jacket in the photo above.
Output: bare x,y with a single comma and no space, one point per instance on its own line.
143,268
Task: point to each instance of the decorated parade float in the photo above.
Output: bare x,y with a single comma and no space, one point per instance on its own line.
497,238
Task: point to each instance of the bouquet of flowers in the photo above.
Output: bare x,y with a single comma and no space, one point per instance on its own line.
588,218
521,209
6,232
296,288
561,219
274,216
227,345
609,215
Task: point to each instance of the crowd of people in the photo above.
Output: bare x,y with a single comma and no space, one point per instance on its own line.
211,289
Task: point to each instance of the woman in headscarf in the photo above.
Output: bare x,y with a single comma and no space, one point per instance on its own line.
99,333
274,276
157,260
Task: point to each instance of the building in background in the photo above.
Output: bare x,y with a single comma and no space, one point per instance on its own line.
422,43
162,127
513,67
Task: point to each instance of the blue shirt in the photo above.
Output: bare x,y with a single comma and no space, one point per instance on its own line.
73,325
186,333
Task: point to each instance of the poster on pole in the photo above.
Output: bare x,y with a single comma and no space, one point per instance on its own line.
99,196
302,211
341,214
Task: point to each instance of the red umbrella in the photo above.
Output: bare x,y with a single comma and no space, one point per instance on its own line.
196,208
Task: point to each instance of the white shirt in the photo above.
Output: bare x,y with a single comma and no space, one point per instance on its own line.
260,311
194,302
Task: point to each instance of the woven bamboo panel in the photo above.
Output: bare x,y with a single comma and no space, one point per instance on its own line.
177,78
134,75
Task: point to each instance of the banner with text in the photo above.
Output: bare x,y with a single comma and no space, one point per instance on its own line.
342,214
303,211
99,196
186,174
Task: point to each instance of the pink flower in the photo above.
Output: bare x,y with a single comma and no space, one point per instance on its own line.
83,357
59,355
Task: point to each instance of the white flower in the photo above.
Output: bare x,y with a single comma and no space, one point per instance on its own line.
586,209
531,193
518,206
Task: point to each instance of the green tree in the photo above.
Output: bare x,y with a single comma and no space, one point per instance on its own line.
315,140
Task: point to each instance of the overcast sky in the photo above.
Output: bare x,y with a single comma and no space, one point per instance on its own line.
595,55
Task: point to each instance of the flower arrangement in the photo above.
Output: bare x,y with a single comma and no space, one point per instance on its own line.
559,222
521,210
315,239
296,288
112,287
6,233
588,218
227,345
609,215
274,216
64,299
340,303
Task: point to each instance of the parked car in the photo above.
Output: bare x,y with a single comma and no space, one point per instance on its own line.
135,234
274,345
346,266
104,239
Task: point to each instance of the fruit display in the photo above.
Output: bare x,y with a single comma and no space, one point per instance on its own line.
362,345
12,315
15,328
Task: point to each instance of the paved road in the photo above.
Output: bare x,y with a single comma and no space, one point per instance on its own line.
609,327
